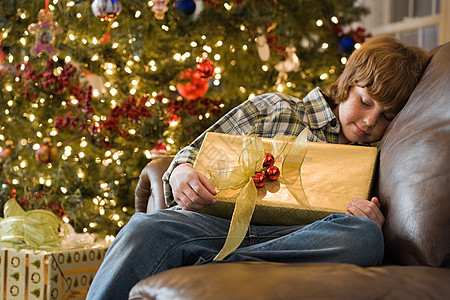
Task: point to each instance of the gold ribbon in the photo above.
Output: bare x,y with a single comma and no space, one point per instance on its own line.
37,228
241,177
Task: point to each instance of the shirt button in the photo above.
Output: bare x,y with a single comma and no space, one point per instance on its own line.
333,123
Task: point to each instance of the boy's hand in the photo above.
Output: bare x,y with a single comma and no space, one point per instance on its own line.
191,189
364,208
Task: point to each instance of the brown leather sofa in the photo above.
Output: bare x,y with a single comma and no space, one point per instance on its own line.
413,184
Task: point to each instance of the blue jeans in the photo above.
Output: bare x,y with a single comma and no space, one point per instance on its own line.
166,239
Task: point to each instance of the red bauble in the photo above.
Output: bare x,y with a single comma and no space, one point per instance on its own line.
195,87
259,179
47,153
269,160
206,68
273,173
7,151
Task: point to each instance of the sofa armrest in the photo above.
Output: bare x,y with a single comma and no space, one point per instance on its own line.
264,281
149,194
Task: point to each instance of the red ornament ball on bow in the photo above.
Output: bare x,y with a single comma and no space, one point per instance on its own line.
273,173
259,179
269,160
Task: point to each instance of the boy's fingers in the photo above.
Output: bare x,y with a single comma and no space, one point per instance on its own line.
202,191
376,201
207,184
364,208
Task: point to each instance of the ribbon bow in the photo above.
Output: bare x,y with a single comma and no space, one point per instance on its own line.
37,228
241,177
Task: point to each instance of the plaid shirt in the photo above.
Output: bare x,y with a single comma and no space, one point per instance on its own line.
266,116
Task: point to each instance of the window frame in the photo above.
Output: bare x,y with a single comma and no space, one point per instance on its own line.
378,21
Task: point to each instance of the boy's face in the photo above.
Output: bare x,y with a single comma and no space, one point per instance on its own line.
362,118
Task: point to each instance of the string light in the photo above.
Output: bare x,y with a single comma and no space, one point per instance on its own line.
113,91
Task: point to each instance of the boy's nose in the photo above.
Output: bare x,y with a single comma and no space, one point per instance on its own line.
370,120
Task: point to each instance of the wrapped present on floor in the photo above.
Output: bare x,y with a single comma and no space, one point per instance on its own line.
49,274
314,181
38,259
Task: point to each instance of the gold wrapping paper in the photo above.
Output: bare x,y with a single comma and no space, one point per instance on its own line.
250,161
331,176
65,273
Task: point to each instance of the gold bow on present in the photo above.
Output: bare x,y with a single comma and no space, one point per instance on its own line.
241,177
37,228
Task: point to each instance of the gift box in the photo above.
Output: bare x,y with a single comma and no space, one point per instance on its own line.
62,273
330,176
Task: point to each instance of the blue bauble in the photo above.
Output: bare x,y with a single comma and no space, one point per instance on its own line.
185,7
346,44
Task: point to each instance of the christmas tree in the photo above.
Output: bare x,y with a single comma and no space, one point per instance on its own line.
89,88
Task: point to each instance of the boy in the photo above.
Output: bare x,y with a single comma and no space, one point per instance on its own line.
372,89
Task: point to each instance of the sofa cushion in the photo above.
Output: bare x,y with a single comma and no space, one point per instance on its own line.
414,183
263,281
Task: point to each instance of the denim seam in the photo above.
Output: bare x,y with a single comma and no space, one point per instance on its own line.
204,238
184,242
281,238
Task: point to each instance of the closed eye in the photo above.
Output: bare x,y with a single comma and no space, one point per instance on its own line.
365,103
389,116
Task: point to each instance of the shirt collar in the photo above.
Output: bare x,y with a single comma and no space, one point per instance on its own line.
319,111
